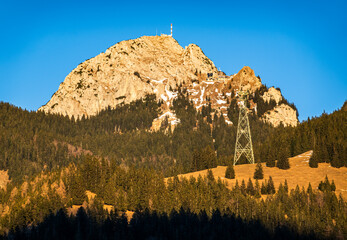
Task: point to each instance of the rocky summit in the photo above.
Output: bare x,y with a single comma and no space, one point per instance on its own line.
131,69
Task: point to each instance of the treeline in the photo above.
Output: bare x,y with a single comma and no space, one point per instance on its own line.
297,212
182,224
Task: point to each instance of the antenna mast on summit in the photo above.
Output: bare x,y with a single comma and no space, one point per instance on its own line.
171,30
243,143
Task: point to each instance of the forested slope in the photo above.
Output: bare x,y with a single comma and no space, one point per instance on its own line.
33,141
129,164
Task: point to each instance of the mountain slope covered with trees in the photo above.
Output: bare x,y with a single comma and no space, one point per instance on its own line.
52,160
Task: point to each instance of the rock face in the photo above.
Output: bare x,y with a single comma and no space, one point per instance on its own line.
247,79
124,73
157,65
274,94
281,114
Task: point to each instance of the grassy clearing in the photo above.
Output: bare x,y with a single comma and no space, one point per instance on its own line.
299,174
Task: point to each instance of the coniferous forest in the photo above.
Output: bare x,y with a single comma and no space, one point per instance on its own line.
53,160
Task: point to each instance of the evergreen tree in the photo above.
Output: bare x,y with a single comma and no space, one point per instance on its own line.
258,173
257,189
250,187
263,188
309,189
271,186
332,186
326,186
285,186
270,159
313,162
243,187
230,172
210,176
283,161
209,156
76,189
236,187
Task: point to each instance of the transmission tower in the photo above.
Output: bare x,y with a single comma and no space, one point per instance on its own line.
243,143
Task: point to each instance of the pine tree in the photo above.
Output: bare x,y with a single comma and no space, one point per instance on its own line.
209,157
250,188
313,162
257,189
243,187
271,186
236,187
263,188
76,188
309,189
196,161
335,160
286,186
332,186
283,161
324,186
210,176
270,159
230,172
258,173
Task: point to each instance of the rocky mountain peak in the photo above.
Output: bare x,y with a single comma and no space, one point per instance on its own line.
131,69
126,72
247,79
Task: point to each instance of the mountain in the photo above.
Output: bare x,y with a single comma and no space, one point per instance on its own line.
126,72
51,164
158,65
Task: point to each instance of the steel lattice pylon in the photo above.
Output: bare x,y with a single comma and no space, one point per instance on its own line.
243,129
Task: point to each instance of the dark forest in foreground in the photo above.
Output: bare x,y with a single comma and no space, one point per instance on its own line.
183,224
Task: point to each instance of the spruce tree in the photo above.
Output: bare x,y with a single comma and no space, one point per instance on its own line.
313,162
271,186
286,186
258,173
236,187
257,189
324,186
270,159
243,187
230,172
263,188
309,189
332,186
209,157
335,160
283,161
210,176
76,188
250,188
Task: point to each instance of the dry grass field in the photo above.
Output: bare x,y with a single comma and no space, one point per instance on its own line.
299,174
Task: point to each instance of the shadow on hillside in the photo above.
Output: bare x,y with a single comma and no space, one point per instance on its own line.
150,225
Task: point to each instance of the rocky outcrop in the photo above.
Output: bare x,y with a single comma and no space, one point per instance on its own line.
281,114
164,121
272,94
246,80
126,72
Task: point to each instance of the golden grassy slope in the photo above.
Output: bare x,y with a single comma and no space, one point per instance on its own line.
299,174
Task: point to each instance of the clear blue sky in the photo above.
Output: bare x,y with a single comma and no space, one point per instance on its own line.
299,46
